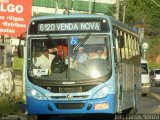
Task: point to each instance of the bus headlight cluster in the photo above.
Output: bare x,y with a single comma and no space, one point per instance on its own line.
33,92
101,93
37,95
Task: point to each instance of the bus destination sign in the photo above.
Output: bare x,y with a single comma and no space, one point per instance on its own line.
75,26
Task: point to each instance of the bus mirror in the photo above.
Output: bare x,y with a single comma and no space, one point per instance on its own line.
20,51
120,41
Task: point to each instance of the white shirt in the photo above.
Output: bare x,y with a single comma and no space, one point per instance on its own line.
81,57
44,62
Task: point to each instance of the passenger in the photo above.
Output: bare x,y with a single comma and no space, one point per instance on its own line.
100,53
81,56
45,60
60,49
36,55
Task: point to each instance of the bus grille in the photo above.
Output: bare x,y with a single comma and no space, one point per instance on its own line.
74,97
69,89
69,105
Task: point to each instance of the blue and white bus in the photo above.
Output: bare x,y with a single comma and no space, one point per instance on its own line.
95,86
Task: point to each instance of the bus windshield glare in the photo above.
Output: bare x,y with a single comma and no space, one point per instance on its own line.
69,58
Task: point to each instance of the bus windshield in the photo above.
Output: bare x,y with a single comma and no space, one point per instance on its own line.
69,58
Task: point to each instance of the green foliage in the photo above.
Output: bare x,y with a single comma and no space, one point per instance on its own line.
77,5
144,11
148,13
154,65
153,50
7,106
18,63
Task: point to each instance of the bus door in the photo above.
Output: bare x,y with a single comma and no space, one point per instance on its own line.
118,74
124,74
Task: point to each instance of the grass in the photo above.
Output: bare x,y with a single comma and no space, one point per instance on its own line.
18,63
7,102
7,106
153,65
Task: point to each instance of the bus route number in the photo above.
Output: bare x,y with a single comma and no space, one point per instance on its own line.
46,27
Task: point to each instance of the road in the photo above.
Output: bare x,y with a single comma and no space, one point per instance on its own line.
155,90
148,104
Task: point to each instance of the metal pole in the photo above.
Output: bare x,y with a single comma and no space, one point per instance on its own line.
90,6
23,74
124,12
56,10
144,54
67,12
72,5
117,10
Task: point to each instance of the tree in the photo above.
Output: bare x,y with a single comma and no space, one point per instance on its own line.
144,11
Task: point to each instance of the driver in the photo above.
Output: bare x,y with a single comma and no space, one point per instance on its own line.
45,60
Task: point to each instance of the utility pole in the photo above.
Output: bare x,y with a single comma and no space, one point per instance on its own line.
90,6
66,11
56,10
117,10
72,5
124,11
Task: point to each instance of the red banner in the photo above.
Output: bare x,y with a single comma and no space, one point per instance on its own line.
14,16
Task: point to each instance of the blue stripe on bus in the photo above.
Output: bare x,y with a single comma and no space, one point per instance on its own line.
41,106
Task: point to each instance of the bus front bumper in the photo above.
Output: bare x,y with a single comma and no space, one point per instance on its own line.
104,105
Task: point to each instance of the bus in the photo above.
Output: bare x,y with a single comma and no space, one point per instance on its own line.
93,86
145,77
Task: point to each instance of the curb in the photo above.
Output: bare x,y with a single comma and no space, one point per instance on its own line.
156,96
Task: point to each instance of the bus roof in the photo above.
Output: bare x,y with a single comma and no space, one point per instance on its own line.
111,20
68,16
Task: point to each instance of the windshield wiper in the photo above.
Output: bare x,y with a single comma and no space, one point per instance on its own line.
81,42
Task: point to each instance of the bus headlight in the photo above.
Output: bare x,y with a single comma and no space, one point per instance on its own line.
101,93
33,92
37,95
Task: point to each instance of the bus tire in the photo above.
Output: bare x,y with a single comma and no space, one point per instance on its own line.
44,117
120,100
144,94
